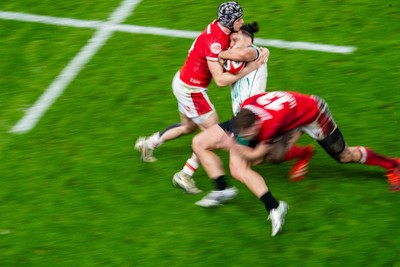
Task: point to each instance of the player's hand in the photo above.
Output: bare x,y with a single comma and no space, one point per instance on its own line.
263,58
229,142
221,61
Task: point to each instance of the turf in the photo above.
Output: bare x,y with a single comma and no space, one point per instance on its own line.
74,192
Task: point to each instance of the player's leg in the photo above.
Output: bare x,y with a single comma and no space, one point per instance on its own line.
146,145
302,155
184,178
192,106
186,126
241,170
326,131
203,145
334,144
285,149
367,156
337,148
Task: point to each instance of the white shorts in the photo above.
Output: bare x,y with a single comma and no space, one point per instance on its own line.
253,83
192,101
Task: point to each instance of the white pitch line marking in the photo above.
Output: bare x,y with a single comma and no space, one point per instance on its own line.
78,23
35,112
95,24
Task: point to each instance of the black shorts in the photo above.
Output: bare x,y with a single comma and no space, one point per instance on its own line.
227,126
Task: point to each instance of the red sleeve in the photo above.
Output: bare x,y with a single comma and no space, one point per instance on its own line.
212,48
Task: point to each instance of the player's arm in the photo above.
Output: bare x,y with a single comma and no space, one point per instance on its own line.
253,154
223,78
240,54
247,54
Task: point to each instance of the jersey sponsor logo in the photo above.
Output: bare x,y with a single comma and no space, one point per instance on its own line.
216,48
194,81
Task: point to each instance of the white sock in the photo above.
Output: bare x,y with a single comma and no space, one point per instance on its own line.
364,154
190,167
154,141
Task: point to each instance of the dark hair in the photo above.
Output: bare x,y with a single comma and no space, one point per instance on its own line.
244,119
249,29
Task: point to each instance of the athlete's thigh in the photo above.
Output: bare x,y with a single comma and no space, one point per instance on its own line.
187,122
213,138
210,119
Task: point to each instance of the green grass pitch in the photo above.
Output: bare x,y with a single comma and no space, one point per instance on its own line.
73,192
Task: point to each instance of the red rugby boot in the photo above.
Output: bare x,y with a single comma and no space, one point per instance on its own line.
393,176
300,168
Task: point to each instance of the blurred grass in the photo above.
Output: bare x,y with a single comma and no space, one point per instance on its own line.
73,191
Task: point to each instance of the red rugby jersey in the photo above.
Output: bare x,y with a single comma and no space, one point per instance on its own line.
281,112
208,44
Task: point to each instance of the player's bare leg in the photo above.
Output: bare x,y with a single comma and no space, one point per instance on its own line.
146,145
183,178
186,126
241,170
367,156
203,145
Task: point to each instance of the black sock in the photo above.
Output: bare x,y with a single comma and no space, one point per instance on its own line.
220,183
170,127
269,201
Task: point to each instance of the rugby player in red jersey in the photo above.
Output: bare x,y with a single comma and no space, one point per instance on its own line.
274,120
211,138
191,82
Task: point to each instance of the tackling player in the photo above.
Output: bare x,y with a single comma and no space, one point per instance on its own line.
190,84
215,137
253,83
275,121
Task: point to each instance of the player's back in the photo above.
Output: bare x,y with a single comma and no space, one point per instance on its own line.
281,111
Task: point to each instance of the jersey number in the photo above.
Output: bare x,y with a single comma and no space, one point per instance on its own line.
276,100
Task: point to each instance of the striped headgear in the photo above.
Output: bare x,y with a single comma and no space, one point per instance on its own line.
228,12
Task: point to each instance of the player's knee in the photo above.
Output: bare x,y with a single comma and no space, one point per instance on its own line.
197,142
337,148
